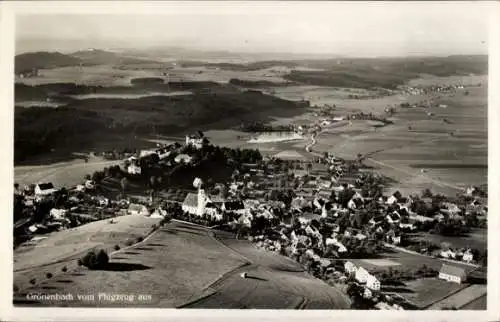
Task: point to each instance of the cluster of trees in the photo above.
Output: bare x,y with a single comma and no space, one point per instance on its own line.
95,259
399,275
262,127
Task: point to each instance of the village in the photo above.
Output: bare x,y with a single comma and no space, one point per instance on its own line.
329,214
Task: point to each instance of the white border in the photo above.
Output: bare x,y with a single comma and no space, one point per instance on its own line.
8,10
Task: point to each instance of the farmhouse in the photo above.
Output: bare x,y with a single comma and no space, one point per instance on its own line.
195,140
361,275
183,158
134,169
467,257
44,189
137,209
350,268
452,274
373,283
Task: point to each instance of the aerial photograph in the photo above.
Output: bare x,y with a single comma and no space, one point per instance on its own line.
270,156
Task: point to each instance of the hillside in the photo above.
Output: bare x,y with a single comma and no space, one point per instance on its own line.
43,60
103,57
85,123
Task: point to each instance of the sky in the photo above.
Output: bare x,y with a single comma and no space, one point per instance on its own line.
346,29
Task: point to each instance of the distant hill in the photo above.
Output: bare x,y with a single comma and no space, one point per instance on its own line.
103,57
43,60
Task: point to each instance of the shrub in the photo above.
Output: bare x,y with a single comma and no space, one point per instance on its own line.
129,242
80,262
33,281
117,247
16,288
139,239
93,260
64,269
49,275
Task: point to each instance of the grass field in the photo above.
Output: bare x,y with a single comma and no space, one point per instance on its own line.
462,298
180,262
479,303
63,248
477,238
424,292
63,174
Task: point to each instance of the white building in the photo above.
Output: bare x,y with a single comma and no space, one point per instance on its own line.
184,158
373,283
350,268
134,169
468,257
452,274
195,140
361,275
137,209
44,189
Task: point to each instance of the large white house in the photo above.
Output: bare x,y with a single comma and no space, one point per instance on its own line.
361,275
373,283
44,189
452,274
195,140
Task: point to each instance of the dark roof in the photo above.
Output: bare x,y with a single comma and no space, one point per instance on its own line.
46,186
234,205
191,200
453,270
212,205
395,216
357,201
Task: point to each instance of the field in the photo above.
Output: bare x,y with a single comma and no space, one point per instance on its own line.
426,291
182,265
462,298
63,248
62,174
381,262
405,261
477,238
401,153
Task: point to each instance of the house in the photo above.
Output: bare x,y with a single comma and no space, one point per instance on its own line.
367,293
236,206
406,226
393,217
306,218
145,153
58,213
163,152
420,218
159,213
134,169
355,203
396,240
448,254
213,210
44,189
195,140
183,158
375,221
137,209
372,283
383,306
467,257
350,268
246,220
361,275
391,200
452,274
